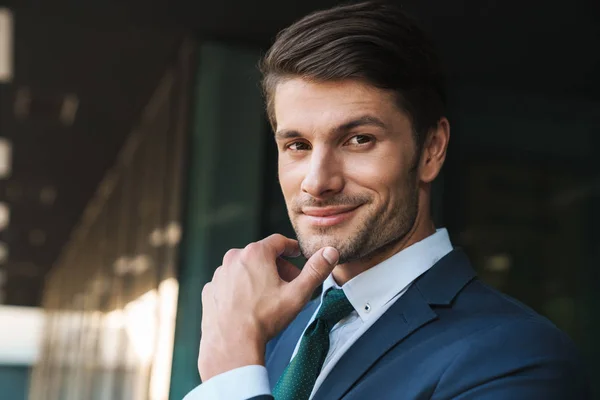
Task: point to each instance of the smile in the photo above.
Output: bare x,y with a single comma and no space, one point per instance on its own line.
328,216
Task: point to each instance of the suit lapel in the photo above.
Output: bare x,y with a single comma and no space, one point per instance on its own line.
406,315
281,354
411,311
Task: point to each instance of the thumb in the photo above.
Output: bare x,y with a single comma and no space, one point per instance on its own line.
314,273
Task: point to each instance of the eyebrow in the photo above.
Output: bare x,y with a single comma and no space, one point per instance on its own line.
365,120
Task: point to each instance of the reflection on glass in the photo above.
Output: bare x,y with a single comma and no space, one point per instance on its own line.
110,302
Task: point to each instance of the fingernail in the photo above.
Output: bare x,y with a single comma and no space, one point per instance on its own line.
331,255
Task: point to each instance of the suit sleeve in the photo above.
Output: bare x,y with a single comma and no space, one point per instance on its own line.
522,360
245,383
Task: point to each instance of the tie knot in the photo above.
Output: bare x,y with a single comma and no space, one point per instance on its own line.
335,306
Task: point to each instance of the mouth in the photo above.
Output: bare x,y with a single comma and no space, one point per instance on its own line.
328,216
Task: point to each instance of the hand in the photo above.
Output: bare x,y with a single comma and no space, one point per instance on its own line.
252,297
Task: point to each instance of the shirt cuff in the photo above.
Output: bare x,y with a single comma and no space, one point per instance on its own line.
238,384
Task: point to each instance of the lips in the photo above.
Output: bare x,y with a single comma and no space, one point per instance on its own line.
326,211
328,216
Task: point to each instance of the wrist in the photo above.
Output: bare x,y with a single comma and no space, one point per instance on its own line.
213,362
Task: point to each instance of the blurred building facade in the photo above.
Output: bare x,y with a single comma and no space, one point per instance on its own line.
110,301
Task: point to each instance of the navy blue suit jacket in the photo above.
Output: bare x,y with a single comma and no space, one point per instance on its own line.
449,336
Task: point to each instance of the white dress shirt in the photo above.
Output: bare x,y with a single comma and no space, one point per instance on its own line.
371,293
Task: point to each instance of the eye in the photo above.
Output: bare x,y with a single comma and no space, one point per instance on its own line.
298,146
359,140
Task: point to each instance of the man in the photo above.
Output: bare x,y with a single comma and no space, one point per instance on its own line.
355,96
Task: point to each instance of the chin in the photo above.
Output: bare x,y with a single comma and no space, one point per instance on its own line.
311,243
312,238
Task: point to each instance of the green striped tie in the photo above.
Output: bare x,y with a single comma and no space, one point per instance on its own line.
298,379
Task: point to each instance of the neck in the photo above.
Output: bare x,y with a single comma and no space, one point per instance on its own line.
422,228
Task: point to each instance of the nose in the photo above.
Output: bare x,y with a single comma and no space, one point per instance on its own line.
324,176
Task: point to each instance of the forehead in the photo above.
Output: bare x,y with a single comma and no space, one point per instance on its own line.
303,104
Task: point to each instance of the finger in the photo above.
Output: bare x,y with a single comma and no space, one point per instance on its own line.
207,292
230,256
282,246
315,271
207,304
218,271
287,271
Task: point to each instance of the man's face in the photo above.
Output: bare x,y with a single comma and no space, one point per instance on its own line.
346,158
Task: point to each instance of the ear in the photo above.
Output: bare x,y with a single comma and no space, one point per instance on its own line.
433,154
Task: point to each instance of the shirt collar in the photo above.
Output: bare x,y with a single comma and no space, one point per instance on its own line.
372,289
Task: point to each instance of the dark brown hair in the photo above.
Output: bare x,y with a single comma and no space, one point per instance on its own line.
374,42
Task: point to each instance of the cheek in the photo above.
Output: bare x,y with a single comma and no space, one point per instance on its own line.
290,178
377,172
